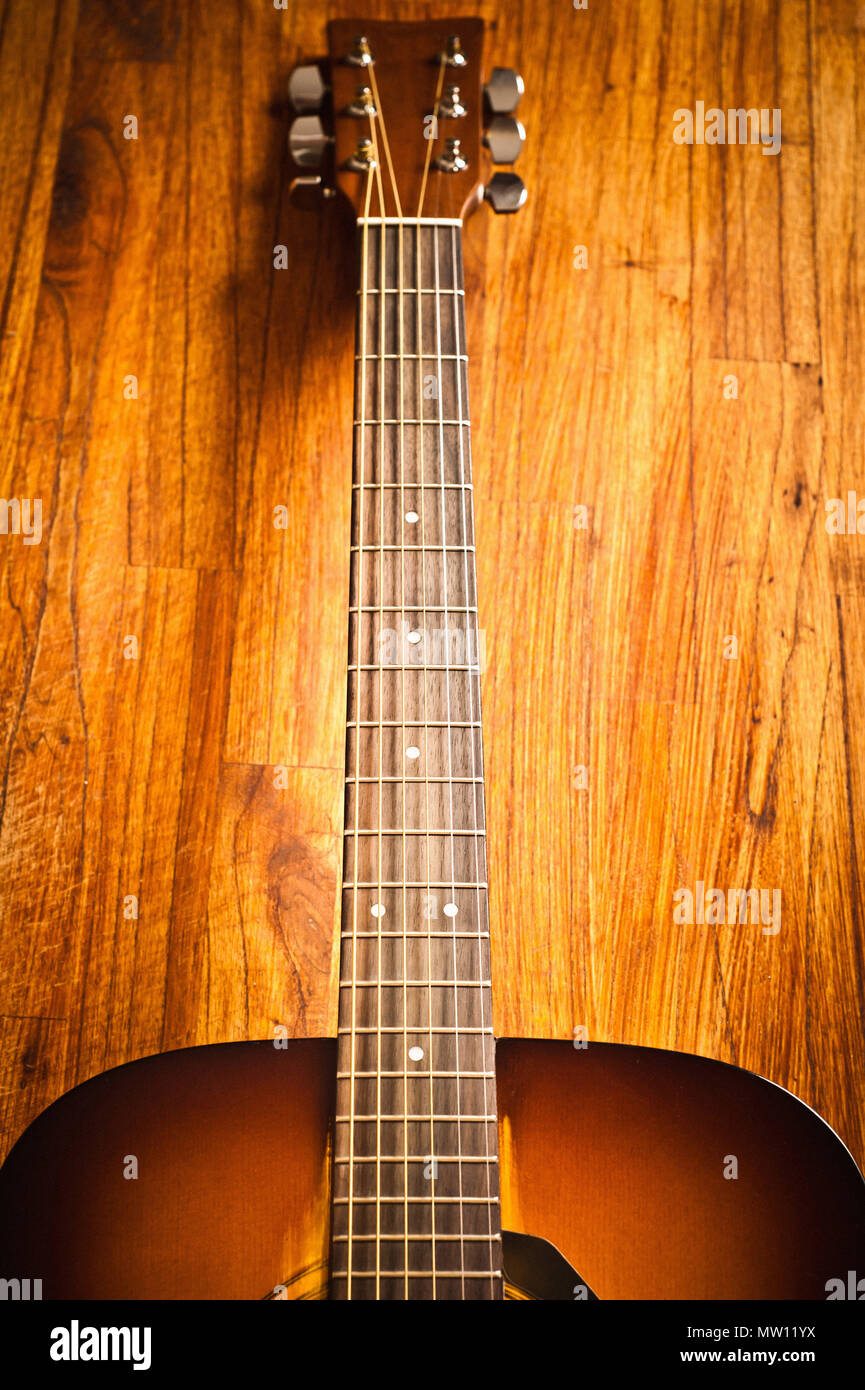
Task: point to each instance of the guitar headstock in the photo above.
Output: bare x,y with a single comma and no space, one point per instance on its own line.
396,120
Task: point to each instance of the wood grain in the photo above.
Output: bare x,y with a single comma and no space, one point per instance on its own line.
158,777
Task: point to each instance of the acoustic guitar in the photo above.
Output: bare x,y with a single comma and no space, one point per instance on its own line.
416,1156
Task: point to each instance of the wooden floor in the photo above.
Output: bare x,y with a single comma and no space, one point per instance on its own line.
198,783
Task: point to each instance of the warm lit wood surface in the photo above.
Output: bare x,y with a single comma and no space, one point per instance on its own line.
157,777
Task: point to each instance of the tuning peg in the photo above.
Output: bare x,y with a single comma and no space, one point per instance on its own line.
503,91
360,54
453,56
506,192
307,141
306,88
450,105
307,191
451,161
505,139
363,104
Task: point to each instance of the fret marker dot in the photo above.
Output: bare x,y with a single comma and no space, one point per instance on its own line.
377,909
412,517
450,909
412,752
416,1054
414,637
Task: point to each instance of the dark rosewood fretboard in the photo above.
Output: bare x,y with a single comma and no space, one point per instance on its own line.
415,1205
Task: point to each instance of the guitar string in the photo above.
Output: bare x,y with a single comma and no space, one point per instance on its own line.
431,142
383,253
405,974
374,86
440,414
382,274
358,676
354,940
482,968
382,303
377,158
428,895
420,416
422,479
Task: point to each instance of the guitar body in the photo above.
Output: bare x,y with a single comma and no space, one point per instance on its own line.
614,1155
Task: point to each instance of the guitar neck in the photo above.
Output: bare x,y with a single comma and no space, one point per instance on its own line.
415,1166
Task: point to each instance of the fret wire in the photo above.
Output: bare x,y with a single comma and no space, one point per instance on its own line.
399,1158
428,420
411,357
421,1075
416,724
378,1275
411,221
414,666
414,984
415,830
394,608
420,1158
413,1119
421,487
411,1235
412,935
485,1201
461,548
407,290
419,1028
414,781
397,883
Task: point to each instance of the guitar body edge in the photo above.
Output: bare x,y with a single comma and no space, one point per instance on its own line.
205,1173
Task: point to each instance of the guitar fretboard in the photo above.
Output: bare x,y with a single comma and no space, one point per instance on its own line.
415,1204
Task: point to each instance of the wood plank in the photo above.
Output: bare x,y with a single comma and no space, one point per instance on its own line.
35,64
600,388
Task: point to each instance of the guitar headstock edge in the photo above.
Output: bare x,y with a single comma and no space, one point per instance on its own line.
400,123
